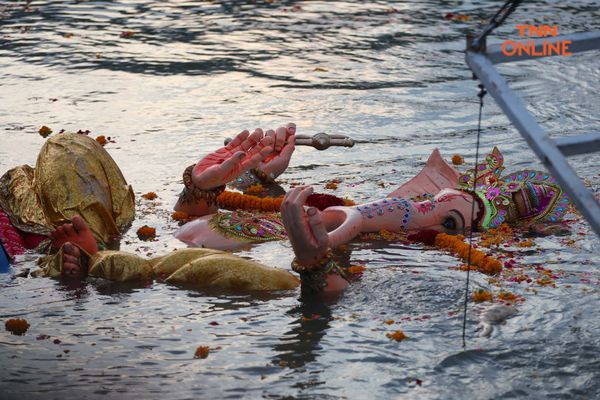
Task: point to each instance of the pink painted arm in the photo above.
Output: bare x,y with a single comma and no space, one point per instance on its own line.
307,233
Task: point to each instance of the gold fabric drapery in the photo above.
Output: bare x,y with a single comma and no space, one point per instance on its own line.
73,175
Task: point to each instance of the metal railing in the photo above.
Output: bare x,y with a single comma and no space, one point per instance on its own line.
552,152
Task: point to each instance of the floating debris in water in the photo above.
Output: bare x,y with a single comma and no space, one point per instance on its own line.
146,233
150,196
45,131
17,326
202,352
398,336
481,295
457,159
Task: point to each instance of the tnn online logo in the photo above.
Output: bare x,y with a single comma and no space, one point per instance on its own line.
547,48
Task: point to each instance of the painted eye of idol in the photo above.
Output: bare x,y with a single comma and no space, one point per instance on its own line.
454,222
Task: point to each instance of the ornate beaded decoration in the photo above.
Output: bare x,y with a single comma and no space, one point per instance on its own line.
394,205
191,193
248,226
542,196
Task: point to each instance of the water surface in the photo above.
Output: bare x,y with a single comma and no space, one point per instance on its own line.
391,75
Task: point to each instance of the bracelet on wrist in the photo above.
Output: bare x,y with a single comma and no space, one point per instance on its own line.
192,194
314,276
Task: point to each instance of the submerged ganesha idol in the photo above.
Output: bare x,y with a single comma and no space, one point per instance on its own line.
438,198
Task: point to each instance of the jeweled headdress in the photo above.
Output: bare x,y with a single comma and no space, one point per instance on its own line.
542,197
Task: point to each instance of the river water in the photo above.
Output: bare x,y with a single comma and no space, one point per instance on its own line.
390,74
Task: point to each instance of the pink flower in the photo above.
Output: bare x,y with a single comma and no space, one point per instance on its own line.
492,193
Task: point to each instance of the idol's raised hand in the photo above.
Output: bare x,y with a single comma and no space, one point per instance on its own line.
305,228
284,143
244,152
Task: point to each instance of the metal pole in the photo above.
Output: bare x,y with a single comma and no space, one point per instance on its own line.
545,148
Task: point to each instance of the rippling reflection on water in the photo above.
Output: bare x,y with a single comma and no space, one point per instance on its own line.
390,74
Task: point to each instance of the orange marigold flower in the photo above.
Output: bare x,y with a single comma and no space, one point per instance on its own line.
146,233
356,269
331,185
258,188
507,296
457,159
150,196
398,336
481,295
45,131
202,352
179,216
101,139
526,243
16,326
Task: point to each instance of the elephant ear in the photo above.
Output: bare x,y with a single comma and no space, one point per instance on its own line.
436,175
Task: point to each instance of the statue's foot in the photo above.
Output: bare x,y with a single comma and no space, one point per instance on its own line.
73,267
76,233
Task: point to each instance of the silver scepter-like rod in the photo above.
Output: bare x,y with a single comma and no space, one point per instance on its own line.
320,141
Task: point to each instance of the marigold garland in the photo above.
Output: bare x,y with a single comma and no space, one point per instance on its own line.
239,201
455,244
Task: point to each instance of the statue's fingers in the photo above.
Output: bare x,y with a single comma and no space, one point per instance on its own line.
252,140
293,210
289,147
280,137
238,140
232,163
291,128
258,153
319,233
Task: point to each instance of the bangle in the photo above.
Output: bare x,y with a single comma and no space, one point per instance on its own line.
191,193
314,277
